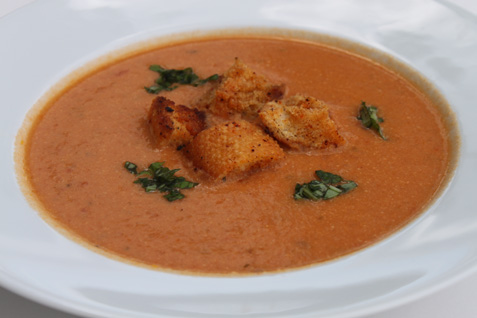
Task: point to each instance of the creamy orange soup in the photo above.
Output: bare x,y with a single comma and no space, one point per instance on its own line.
78,144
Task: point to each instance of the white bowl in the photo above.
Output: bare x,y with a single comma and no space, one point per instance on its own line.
45,41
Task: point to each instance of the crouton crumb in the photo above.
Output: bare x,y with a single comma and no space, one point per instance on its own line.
233,149
240,91
173,124
301,123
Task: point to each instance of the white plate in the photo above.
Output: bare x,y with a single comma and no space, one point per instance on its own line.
46,40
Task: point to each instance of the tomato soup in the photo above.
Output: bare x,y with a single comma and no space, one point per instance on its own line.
77,146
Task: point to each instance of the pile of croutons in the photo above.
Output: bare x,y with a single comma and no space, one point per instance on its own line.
258,124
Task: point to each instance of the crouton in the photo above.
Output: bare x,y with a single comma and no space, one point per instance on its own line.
301,122
240,91
233,149
173,124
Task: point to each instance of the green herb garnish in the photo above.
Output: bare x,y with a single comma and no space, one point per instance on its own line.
369,118
167,79
158,178
131,167
326,187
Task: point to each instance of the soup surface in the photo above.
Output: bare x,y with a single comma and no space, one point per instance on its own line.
78,145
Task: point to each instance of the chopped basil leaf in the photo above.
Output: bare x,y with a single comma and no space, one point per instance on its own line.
331,193
145,172
131,167
327,187
303,191
168,78
153,167
327,177
369,118
184,184
316,185
151,188
345,187
174,195
158,178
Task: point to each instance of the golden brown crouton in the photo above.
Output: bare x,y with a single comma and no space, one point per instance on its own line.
301,122
173,124
232,149
240,90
